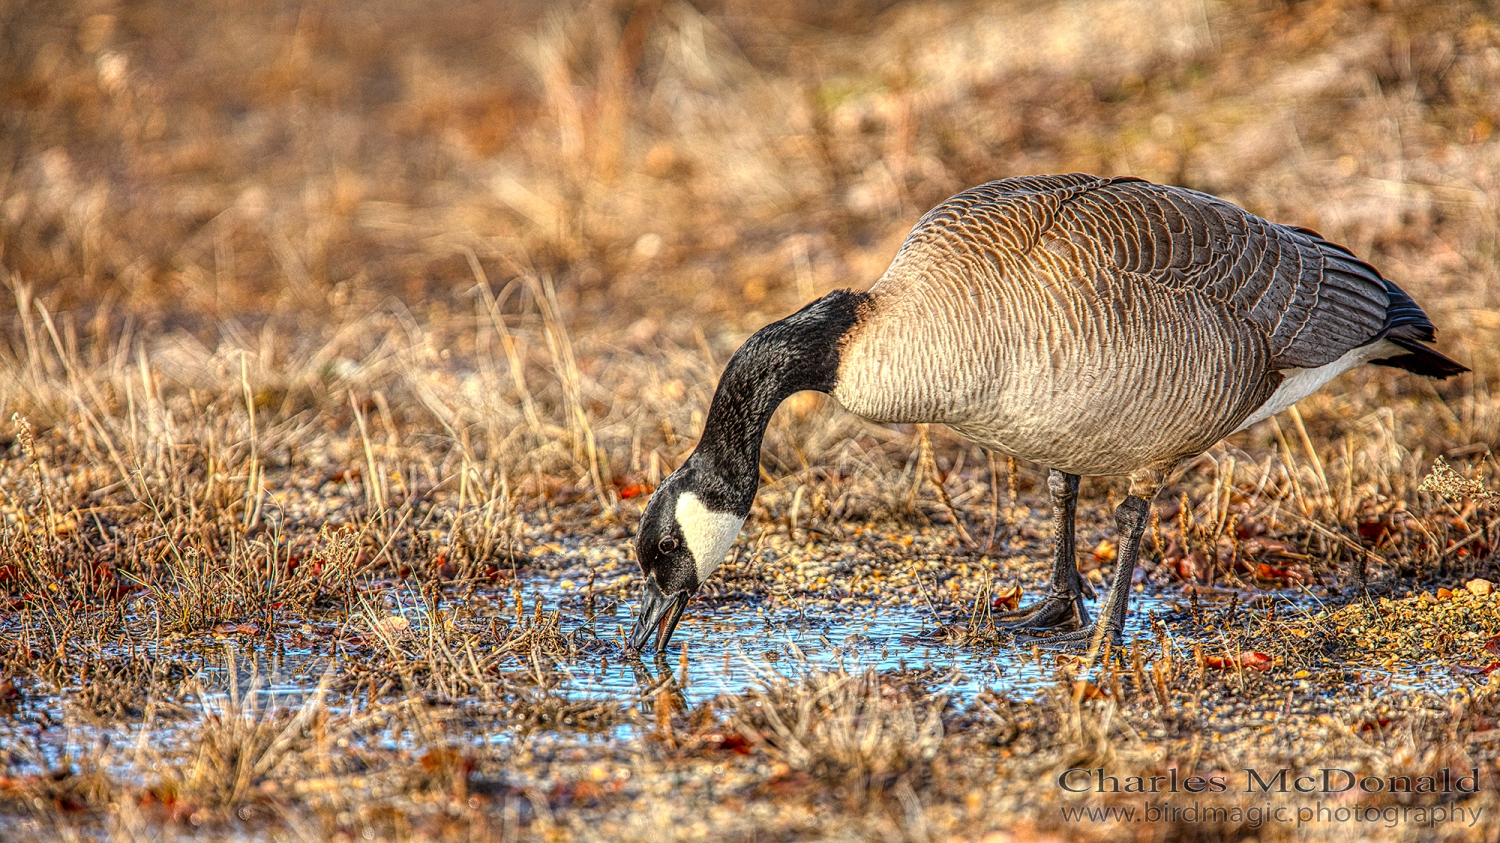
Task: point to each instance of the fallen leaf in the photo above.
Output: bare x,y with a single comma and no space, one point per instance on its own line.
1245,658
584,792
1271,547
392,624
442,566
1376,532
1248,528
233,628
444,759
726,742
1105,551
1271,572
1086,690
1008,598
1191,566
1256,660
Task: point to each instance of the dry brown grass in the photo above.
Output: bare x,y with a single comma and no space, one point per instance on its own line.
856,732
316,310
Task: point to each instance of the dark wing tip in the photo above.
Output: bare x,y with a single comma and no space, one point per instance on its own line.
1405,317
1419,358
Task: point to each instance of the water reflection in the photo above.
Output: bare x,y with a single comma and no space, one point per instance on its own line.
723,648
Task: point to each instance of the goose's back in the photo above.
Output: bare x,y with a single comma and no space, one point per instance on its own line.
1103,325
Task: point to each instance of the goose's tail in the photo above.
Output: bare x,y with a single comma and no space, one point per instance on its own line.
1409,328
1419,357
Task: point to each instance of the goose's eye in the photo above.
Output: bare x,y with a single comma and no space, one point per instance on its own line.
667,544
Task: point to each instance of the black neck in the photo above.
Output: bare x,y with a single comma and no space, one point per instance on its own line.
799,352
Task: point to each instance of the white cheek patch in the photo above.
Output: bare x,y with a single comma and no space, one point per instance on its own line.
709,534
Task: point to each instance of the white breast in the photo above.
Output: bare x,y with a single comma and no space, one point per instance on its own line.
1300,383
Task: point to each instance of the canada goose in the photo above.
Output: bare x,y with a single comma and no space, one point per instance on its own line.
1097,326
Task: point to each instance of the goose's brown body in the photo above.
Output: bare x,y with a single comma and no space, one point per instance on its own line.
1096,326
1103,326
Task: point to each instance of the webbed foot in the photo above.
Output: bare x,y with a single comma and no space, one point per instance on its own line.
1081,639
1054,611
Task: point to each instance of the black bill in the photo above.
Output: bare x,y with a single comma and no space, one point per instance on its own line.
660,614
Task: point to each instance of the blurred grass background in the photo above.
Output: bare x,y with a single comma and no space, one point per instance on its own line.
181,164
526,236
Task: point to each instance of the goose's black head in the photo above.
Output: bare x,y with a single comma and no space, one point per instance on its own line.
694,516
682,539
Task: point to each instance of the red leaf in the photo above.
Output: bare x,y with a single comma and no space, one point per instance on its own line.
435,760
631,487
726,742
1105,552
1271,572
1086,690
1007,599
1245,658
1256,660
1375,532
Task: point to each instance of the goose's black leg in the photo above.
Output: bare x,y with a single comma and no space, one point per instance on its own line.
1063,607
1131,517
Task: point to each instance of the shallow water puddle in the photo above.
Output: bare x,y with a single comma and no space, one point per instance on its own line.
731,648
734,647
719,648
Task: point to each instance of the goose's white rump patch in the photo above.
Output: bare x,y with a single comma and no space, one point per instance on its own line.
1300,383
709,534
